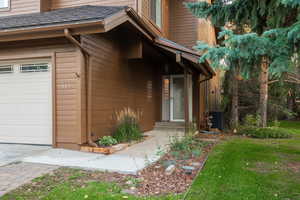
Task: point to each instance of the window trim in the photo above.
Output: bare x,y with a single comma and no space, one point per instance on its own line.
153,11
7,66
32,65
3,9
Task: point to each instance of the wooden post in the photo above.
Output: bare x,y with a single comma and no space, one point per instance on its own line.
186,101
200,116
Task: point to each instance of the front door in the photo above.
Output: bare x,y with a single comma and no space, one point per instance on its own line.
177,98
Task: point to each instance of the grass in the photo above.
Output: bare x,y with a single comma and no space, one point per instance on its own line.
237,169
74,184
252,169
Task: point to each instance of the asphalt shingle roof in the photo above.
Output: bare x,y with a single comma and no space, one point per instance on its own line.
59,17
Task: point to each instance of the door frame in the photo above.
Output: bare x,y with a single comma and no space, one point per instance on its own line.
172,98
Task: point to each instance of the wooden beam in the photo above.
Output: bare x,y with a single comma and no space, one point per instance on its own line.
134,49
186,101
178,57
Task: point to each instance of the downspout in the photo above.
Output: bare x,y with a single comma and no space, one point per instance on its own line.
88,70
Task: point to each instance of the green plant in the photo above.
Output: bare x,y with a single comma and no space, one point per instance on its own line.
251,120
160,151
127,125
107,141
186,147
276,123
133,182
268,132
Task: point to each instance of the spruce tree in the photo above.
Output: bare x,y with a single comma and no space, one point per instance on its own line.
274,25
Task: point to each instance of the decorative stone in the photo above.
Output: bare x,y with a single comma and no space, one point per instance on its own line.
129,182
169,170
167,163
157,167
128,191
188,169
196,164
132,188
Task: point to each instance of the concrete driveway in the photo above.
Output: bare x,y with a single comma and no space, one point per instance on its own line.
10,153
13,174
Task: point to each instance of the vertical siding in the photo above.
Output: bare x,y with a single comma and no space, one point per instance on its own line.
22,7
71,3
183,25
118,83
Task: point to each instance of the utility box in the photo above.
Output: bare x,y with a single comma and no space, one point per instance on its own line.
217,120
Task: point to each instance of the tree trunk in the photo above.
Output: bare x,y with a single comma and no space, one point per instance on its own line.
234,122
263,101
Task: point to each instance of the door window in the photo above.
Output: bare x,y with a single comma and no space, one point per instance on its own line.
178,98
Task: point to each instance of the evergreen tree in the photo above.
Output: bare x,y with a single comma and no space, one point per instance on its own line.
272,46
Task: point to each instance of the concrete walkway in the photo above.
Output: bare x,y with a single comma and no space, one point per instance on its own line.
129,161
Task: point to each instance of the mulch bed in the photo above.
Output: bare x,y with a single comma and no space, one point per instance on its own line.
153,180
156,182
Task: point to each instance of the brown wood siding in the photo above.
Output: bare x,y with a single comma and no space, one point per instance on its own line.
183,25
71,3
206,33
22,7
67,83
119,83
68,113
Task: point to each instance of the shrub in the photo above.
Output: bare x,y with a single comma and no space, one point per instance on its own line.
268,132
251,120
107,141
128,125
185,148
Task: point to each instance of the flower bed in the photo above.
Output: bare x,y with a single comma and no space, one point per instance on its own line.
107,150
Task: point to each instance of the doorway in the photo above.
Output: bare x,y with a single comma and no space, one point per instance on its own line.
173,98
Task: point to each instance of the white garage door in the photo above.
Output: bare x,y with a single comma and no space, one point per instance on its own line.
26,103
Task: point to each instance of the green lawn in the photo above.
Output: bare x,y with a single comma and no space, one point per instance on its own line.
237,169
252,169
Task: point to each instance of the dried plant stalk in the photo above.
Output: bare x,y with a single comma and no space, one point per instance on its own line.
127,114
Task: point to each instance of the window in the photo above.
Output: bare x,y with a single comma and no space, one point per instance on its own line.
4,4
6,69
156,13
41,67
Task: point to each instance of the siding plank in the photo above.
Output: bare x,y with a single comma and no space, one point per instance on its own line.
119,83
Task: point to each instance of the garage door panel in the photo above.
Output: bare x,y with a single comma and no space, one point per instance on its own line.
35,134
26,107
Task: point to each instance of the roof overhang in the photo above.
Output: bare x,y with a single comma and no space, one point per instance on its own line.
105,25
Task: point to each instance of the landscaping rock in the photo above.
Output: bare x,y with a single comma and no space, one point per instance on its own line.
196,164
132,188
129,182
169,170
167,163
128,191
157,167
188,169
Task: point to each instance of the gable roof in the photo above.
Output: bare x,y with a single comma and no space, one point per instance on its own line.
103,18
81,14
